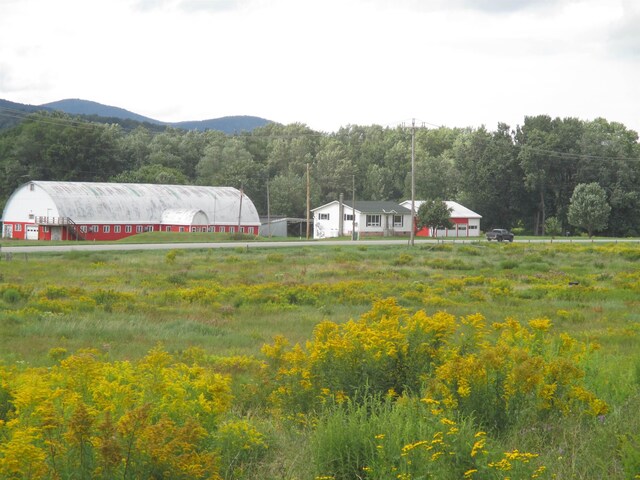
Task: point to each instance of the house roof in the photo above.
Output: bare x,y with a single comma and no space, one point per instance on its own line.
457,210
372,206
375,206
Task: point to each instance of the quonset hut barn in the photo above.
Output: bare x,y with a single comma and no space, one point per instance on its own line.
110,211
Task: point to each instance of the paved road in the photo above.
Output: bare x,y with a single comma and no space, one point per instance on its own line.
87,246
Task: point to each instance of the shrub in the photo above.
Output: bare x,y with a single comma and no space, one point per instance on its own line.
409,439
241,446
495,372
88,418
403,259
275,258
11,296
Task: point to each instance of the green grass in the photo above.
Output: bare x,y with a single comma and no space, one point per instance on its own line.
232,301
259,293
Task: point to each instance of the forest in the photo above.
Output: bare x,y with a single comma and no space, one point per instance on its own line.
515,177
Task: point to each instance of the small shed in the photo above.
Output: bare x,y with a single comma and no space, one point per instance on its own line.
283,227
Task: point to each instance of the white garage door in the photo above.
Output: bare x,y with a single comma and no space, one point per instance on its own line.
32,232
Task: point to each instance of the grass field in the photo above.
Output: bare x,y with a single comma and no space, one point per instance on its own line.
230,303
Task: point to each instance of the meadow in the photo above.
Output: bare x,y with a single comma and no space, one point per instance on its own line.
438,361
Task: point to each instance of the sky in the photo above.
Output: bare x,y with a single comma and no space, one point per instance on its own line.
329,63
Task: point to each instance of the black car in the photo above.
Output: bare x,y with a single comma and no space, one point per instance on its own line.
500,234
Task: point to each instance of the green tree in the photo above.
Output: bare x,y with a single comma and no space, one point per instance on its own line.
153,173
434,214
553,226
333,171
589,208
287,194
549,152
490,176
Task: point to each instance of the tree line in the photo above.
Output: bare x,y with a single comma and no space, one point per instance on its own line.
514,177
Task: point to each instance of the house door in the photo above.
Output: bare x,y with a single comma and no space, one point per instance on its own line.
8,231
56,233
32,232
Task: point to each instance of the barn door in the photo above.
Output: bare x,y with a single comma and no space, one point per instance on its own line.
32,232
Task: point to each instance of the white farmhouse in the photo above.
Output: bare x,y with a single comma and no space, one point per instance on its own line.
372,218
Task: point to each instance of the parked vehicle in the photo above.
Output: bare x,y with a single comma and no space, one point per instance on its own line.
500,234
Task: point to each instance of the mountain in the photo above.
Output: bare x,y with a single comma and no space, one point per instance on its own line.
11,113
74,106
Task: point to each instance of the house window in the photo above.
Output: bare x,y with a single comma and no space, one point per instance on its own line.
473,227
45,229
193,229
32,187
31,216
106,229
95,229
241,229
148,228
167,228
397,220
127,229
116,229
462,227
373,221
83,228
323,216
138,228
18,227
348,217
232,229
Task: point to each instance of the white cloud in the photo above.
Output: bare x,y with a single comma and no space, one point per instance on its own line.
327,63
624,39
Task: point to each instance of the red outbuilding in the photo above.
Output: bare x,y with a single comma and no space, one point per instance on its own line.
466,223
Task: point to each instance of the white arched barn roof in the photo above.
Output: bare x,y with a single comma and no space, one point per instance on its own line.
183,216
87,202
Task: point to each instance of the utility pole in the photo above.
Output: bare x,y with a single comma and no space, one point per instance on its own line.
353,208
240,207
413,181
268,211
308,201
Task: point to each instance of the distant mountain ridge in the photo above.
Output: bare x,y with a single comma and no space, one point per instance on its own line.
228,124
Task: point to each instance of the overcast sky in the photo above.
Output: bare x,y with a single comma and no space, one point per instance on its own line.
329,63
